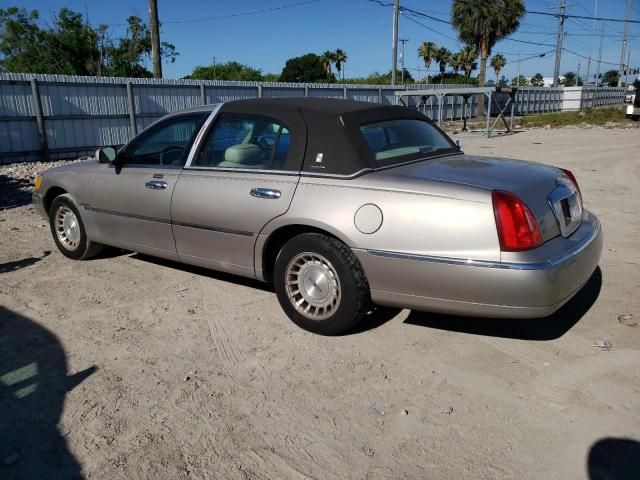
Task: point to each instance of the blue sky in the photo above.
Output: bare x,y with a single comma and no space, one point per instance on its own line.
360,27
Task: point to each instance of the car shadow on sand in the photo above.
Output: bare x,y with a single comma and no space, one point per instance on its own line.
614,459
34,381
541,329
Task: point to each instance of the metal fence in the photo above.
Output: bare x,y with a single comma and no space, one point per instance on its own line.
58,116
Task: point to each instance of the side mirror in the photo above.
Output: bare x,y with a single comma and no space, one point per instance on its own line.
106,154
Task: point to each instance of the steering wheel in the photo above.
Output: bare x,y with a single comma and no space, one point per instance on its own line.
166,150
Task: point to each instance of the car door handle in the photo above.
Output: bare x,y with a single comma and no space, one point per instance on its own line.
156,185
265,193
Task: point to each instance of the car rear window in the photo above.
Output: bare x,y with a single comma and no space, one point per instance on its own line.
393,141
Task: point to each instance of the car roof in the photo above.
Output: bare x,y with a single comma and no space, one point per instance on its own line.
333,106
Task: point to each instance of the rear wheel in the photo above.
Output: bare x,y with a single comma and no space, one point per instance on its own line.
320,284
68,230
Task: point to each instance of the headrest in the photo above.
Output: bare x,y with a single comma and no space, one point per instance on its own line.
244,154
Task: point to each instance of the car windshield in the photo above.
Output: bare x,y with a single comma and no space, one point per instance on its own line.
397,140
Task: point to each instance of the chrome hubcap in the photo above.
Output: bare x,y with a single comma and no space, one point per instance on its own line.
67,228
313,286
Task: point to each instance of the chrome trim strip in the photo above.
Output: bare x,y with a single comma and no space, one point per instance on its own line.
568,255
203,130
230,231
244,170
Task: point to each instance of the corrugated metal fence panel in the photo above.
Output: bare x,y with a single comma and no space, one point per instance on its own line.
280,92
81,113
160,100
18,136
15,100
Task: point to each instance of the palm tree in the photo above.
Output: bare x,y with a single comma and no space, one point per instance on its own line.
427,51
328,57
457,62
570,79
468,57
339,57
482,23
497,63
443,57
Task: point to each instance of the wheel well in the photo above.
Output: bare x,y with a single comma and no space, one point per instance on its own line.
52,193
276,241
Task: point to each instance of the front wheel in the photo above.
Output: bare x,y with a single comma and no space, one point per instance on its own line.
68,230
320,284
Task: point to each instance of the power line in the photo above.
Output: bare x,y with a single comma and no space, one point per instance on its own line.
584,17
244,14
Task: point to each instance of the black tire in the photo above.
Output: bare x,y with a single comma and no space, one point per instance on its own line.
353,289
85,248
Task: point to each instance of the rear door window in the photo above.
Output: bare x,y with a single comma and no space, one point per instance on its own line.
245,142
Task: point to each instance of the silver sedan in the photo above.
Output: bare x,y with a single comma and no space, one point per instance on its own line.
342,205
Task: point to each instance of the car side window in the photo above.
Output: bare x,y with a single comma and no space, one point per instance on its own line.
165,144
245,142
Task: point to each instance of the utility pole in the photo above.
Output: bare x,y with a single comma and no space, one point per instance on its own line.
626,72
624,42
403,41
214,68
600,54
518,77
593,30
578,75
556,71
155,38
394,56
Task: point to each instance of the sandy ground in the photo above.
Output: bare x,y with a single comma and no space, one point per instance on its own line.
128,367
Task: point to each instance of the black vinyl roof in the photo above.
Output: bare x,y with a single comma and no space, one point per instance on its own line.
325,133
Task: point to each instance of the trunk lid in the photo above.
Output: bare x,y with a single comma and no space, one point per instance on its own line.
534,183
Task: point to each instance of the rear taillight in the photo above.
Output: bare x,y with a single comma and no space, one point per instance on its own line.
517,226
572,177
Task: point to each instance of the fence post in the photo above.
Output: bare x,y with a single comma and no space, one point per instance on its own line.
37,109
259,91
380,95
344,92
306,90
132,110
203,94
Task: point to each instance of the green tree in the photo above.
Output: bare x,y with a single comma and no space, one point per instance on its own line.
610,78
497,63
271,77
427,50
327,58
443,57
457,62
227,71
70,46
127,56
468,57
537,80
339,59
519,81
307,68
569,80
503,82
482,23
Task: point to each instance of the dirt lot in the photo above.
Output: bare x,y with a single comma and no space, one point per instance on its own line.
128,367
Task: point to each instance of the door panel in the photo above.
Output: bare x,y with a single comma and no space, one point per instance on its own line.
130,214
216,219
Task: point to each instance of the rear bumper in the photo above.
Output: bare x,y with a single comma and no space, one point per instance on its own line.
536,287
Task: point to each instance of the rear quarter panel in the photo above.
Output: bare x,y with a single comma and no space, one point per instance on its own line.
419,217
